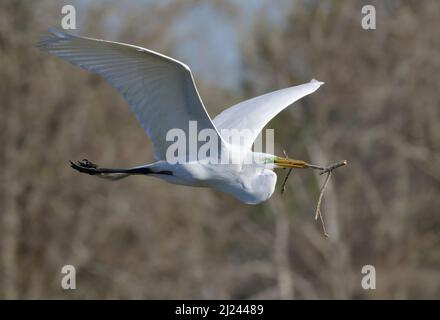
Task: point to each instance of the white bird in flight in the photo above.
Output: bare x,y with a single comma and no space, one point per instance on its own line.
161,92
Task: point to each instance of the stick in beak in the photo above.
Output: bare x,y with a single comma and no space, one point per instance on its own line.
292,163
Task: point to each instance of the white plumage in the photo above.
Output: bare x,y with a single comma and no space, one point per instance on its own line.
161,92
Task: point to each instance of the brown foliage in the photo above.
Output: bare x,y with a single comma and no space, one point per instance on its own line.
142,238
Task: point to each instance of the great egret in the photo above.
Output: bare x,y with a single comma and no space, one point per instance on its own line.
161,92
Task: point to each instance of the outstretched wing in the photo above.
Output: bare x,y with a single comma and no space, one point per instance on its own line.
160,90
255,113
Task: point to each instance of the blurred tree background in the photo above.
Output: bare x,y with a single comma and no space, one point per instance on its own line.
143,238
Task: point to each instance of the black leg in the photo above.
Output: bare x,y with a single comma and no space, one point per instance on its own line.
86,166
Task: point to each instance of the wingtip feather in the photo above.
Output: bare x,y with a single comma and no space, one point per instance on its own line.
317,82
52,36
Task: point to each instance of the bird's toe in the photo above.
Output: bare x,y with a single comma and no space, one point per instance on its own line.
84,166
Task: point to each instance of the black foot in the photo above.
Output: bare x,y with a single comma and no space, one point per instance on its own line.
85,166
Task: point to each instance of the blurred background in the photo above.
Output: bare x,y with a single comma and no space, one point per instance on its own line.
143,238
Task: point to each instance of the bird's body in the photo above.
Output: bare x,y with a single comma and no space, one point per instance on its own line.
251,183
162,94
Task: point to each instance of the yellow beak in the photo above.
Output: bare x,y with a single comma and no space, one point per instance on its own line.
289,163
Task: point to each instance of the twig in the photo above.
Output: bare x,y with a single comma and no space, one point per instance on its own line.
321,194
323,225
334,166
328,170
283,185
318,212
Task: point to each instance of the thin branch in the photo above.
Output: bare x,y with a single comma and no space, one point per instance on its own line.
318,212
283,185
334,166
321,194
329,169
